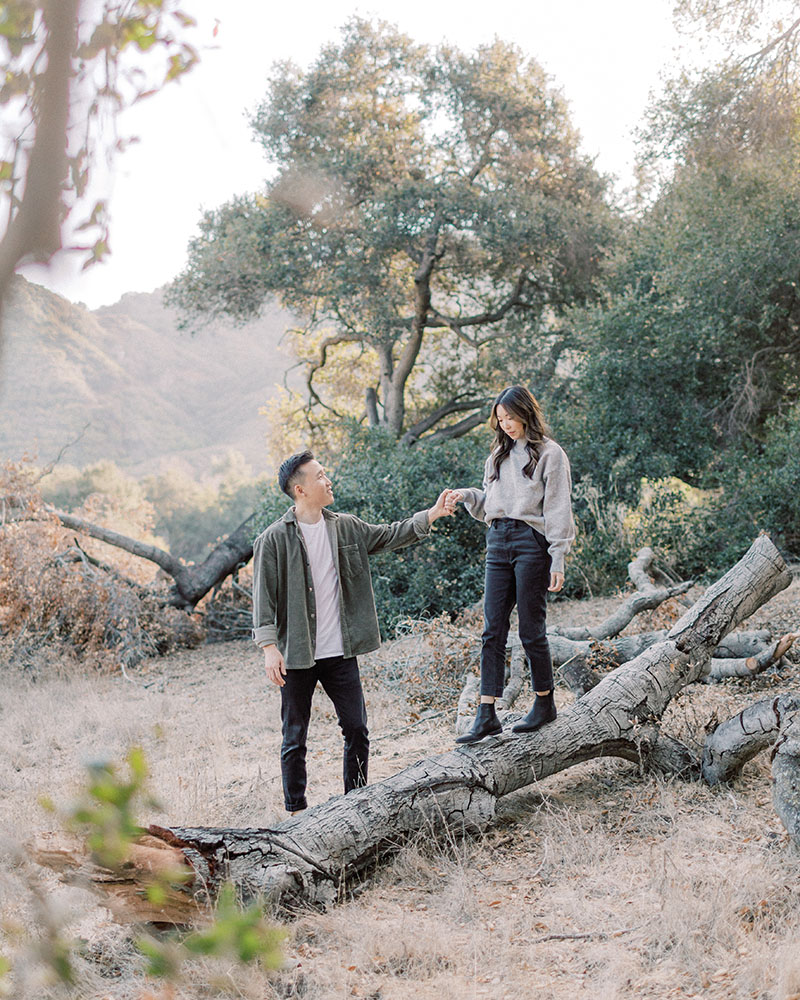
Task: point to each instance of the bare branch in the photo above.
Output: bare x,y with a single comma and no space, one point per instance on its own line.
458,429
455,405
457,323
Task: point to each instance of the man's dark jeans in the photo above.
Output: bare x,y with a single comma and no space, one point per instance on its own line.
517,572
341,681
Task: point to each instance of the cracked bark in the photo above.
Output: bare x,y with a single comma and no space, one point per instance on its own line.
308,859
773,722
733,743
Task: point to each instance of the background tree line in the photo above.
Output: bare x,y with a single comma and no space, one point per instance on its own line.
433,219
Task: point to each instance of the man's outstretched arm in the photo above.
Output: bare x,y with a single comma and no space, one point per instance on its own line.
387,537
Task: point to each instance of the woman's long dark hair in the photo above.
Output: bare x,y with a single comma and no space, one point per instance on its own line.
522,405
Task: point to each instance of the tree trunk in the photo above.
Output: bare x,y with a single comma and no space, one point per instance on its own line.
307,859
192,583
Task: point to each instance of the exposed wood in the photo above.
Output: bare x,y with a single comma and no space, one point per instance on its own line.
148,860
748,666
308,859
733,743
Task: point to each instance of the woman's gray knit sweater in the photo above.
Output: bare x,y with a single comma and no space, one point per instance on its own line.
543,502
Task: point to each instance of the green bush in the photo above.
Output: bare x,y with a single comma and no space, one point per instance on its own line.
601,552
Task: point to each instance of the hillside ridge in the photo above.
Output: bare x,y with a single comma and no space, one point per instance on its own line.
124,383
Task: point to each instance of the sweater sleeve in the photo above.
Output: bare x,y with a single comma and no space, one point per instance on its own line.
475,499
559,525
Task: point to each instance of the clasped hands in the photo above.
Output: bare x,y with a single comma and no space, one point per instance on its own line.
445,506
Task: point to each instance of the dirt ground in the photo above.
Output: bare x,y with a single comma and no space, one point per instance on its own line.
598,883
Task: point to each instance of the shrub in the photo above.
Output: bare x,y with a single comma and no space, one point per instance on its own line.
53,590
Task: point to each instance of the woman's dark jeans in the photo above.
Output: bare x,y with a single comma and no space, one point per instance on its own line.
341,681
517,572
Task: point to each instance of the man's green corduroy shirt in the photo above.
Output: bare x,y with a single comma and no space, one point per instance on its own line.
284,606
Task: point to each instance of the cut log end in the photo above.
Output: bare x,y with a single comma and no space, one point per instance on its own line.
125,889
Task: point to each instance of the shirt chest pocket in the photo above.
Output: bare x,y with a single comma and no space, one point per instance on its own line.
351,561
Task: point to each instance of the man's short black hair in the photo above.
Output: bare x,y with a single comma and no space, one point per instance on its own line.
287,473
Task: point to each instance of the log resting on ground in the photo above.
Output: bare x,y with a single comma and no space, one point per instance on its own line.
309,858
772,722
733,743
770,653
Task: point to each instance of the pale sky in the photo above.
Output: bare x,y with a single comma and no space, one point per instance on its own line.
195,149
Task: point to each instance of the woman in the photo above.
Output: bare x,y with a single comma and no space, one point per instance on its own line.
525,500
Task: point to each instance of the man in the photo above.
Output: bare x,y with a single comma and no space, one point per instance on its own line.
314,612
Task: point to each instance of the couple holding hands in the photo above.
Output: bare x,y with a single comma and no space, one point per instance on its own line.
314,610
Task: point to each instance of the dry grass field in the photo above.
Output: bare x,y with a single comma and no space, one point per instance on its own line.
599,883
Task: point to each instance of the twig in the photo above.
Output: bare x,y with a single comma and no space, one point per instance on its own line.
405,729
582,936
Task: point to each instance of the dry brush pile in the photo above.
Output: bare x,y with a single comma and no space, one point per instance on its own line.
102,604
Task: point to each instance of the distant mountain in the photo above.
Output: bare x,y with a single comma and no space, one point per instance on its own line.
147,394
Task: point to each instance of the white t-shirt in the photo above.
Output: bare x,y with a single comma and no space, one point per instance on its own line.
326,589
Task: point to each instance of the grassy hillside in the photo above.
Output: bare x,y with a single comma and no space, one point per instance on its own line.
135,388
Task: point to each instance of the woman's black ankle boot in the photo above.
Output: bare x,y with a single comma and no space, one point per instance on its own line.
486,724
544,710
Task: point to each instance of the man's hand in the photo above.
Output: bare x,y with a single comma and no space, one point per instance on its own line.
445,506
556,582
274,665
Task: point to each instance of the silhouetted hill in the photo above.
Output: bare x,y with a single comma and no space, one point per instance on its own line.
146,392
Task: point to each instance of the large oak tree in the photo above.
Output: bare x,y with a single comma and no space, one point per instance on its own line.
430,207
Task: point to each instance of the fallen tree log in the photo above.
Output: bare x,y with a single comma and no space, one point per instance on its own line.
748,666
309,858
786,775
647,596
773,722
733,743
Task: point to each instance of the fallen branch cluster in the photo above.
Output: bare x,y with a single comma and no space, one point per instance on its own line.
309,858
583,655
53,589
227,612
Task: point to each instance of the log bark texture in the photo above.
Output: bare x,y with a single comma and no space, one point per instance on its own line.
307,859
772,722
733,743
786,775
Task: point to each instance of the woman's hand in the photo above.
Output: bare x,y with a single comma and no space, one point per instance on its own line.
445,506
556,582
